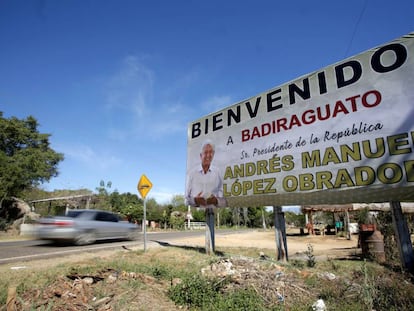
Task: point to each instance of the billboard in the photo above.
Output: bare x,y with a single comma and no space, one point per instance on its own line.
342,134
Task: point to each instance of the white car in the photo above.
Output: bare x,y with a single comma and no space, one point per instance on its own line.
85,226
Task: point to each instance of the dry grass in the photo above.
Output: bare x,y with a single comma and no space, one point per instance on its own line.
134,280
117,280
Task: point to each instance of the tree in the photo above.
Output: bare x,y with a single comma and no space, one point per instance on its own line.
102,189
199,214
226,216
127,204
26,158
155,211
178,202
177,219
256,217
297,220
104,198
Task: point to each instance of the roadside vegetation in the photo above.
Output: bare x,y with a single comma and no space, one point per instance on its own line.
185,278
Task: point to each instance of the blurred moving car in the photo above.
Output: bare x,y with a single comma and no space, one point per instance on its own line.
85,226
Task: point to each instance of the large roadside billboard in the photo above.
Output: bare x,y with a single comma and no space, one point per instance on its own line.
342,134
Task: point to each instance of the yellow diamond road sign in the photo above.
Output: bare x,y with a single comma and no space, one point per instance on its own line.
144,186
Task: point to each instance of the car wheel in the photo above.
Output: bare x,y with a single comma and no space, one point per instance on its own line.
85,238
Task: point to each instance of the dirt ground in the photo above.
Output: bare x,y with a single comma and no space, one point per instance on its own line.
324,246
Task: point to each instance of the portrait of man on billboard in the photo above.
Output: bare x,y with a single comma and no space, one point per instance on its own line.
204,187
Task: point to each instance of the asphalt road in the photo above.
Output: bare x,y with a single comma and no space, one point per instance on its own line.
26,250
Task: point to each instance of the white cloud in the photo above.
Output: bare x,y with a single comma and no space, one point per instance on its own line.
85,155
161,197
137,105
130,89
132,107
216,103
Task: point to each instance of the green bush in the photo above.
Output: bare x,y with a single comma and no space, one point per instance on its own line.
160,272
3,224
311,260
246,299
196,292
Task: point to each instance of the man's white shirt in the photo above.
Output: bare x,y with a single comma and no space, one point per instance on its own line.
209,183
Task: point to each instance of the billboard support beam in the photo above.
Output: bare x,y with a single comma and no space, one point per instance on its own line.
210,243
402,236
348,229
280,233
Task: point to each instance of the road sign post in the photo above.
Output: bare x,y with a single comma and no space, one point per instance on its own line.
144,186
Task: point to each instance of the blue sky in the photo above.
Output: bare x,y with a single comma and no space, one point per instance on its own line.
116,83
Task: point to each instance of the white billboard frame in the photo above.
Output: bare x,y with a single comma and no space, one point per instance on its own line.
342,134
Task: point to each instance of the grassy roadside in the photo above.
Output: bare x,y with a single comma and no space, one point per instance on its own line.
185,278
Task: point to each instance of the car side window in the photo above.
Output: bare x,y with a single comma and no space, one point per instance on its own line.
101,216
73,214
112,217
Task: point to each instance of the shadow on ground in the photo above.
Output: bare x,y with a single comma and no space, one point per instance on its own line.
201,250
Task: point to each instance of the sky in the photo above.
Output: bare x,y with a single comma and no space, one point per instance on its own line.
117,82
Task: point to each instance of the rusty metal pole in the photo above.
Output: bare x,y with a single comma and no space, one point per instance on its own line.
402,235
280,233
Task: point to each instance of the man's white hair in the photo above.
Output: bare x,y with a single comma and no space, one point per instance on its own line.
208,142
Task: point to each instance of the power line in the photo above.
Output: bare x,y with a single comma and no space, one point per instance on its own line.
356,28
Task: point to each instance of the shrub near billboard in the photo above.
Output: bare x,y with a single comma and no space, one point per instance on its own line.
343,134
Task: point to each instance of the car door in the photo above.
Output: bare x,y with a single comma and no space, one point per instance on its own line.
107,225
